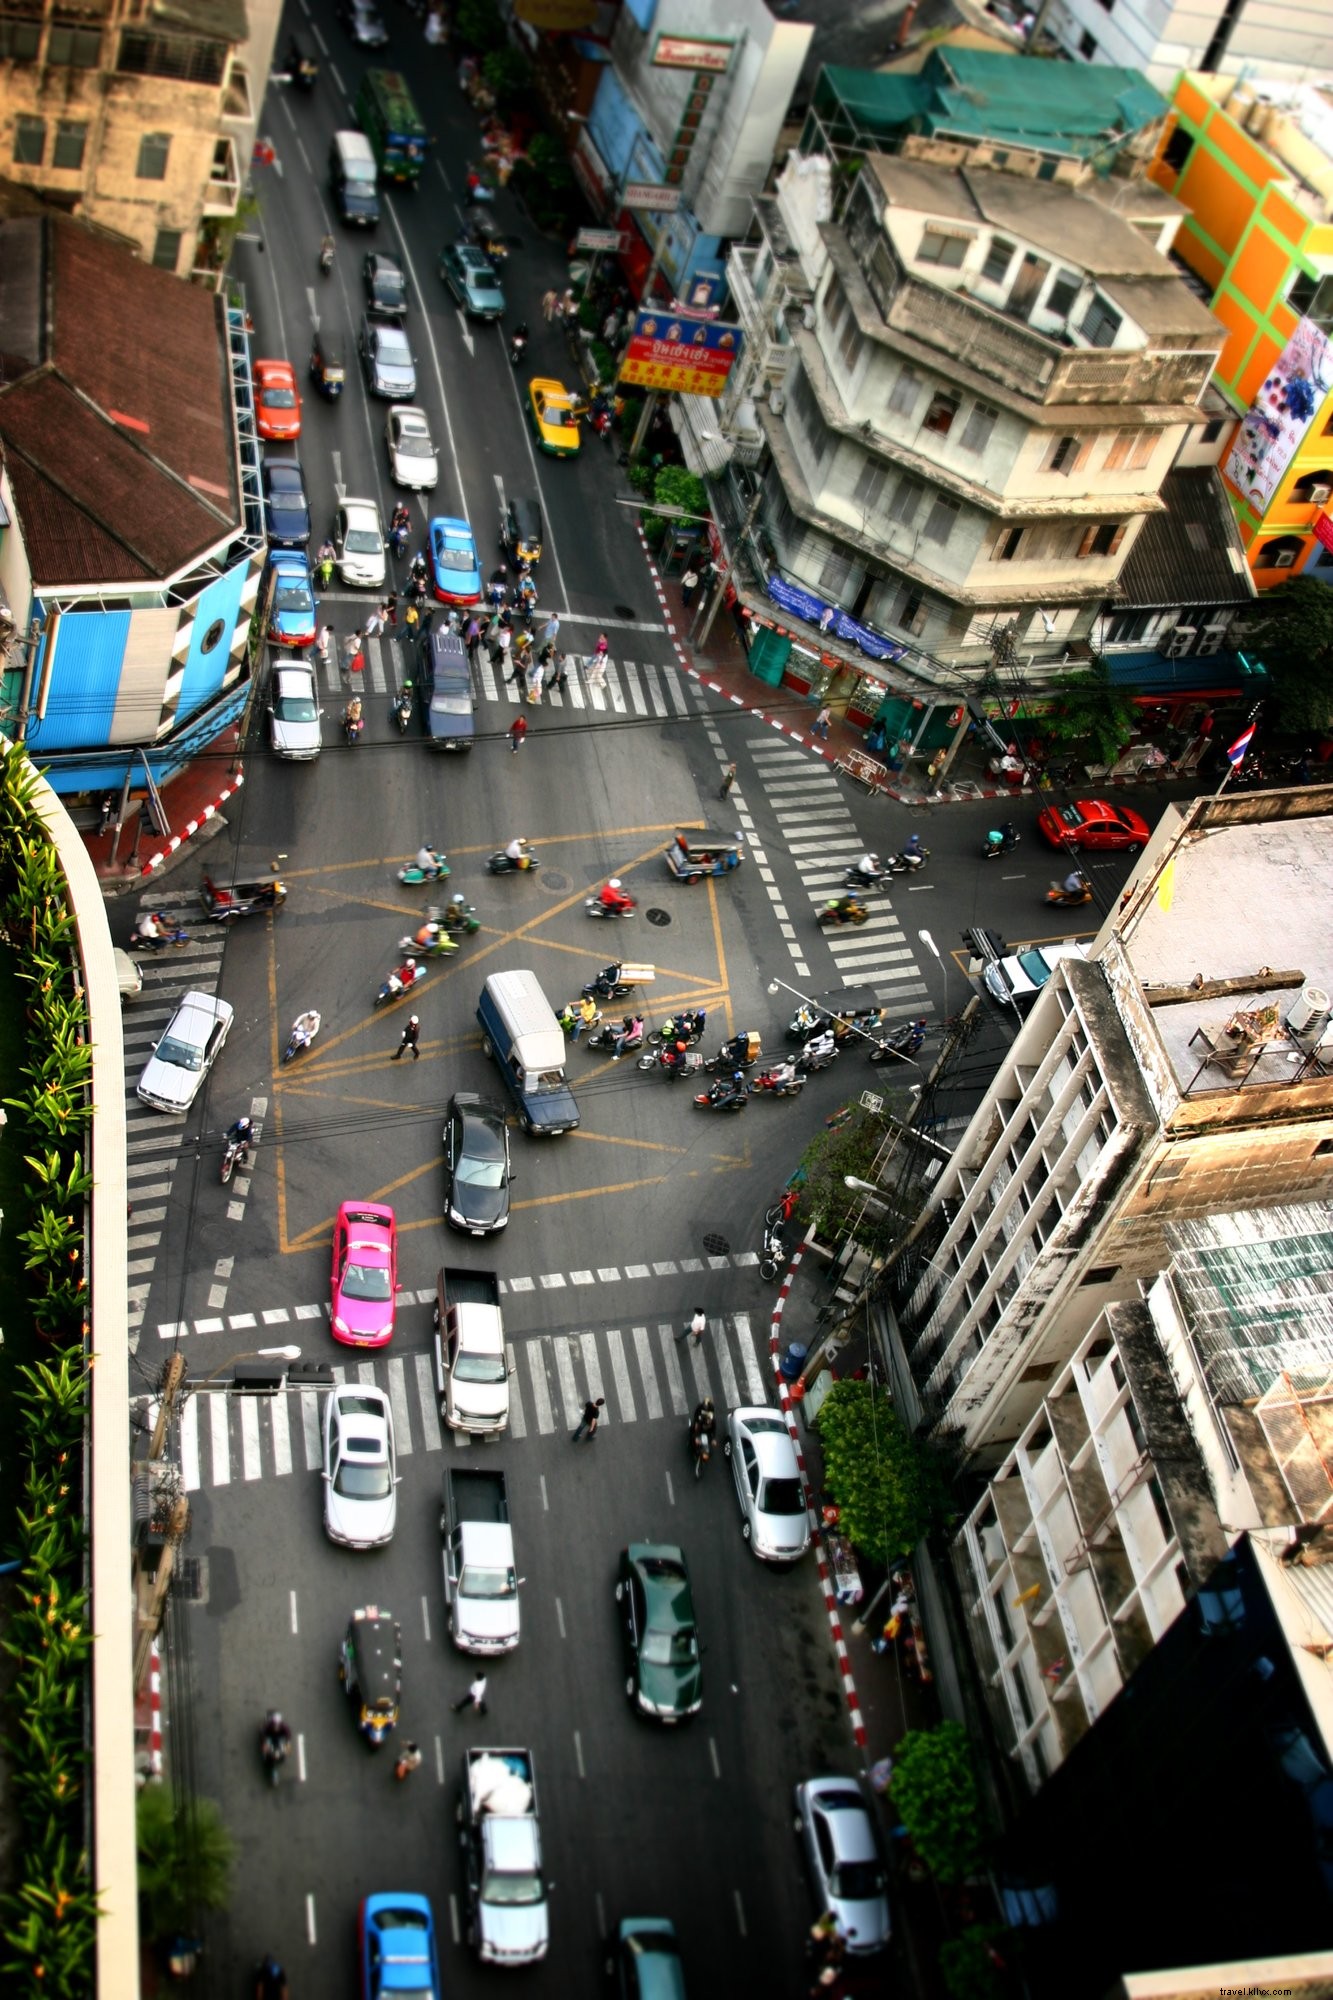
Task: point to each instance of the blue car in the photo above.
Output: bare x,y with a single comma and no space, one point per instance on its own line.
291,612
470,276
398,1948
286,509
454,562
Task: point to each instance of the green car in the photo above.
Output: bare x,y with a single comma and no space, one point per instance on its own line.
469,274
657,1626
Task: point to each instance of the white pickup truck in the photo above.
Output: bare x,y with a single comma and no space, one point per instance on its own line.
480,1586
508,1921
472,1364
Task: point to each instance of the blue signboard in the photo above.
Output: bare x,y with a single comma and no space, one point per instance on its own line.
803,603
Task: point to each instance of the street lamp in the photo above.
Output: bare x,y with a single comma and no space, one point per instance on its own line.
250,1354
807,1000
865,1187
934,950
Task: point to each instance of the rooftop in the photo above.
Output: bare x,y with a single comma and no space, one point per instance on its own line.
1191,553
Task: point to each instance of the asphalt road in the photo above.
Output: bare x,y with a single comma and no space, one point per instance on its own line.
618,1230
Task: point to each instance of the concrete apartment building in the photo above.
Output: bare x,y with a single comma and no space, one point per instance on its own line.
982,400
1270,38
137,115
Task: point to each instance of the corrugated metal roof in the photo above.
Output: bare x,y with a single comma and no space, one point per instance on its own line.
1257,1289
1183,555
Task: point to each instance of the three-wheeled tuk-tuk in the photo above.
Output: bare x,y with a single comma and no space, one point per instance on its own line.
695,853
521,530
328,370
222,905
370,1667
301,65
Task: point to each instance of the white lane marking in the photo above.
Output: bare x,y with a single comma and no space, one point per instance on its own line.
430,1416
620,1375
647,1373
425,1617
293,1614
666,1341
635,686
252,1464
754,1374
279,1424
731,1394
592,1368
314,1442
221,1439
190,1444
311,1934
564,1368
402,1427
537,1383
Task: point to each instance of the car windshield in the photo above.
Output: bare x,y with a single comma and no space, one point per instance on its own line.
415,444
389,286
1035,966
295,708
393,345
293,597
511,1889
479,1582
480,1173
451,704
480,1368
781,1496
856,1881
450,556
366,1281
279,399
363,1482
362,542
181,1054
671,1649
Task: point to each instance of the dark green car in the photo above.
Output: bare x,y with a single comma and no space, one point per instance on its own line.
660,1637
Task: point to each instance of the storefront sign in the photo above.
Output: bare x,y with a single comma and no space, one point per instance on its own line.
836,624
649,195
676,52
1323,529
673,352
600,239
1272,433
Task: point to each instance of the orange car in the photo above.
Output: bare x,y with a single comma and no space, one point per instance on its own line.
277,400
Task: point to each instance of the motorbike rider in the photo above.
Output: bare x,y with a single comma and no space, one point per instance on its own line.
405,973
277,1739
737,1050
352,714
428,859
324,563
673,1057
426,935
629,1032
517,851
912,848
1074,884
149,929
326,254
613,897
270,1980
844,909
1003,837
241,1135
518,339
728,1087
703,1424
455,913
819,1046
869,867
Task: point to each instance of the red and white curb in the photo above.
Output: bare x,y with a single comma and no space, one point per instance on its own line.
179,839
154,1712
831,1604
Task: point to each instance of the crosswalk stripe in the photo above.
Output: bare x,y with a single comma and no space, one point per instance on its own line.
666,1340
592,1369
564,1369
402,1428
220,1439
280,1428
620,1375
374,649
251,1463
314,1442
647,1374
731,1394
490,687
676,690
190,1444
635,686
754,1374
614,689
537,1384
424,1371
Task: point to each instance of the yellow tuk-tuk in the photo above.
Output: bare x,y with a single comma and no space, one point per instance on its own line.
694,854
521,530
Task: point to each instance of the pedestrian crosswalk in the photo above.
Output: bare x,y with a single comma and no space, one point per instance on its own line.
645,1372
622,687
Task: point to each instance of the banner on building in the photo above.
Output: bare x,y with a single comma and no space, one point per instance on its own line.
802,603
600,239
651,196
1323,529
678,52
673,352
1280,416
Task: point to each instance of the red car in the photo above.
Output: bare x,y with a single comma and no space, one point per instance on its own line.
1093,823
277,400
365,1274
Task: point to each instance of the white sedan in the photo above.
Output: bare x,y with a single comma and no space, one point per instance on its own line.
360,1467
187,1051
411,452
358,544
774,1517
293,714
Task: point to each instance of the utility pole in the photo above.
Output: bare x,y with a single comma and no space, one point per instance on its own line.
150,1619
173,1375
724,574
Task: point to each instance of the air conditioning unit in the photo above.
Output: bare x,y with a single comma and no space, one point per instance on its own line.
777,401
1174,645
1213,638
1318,495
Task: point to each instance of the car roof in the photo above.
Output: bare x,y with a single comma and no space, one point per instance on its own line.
382,261
365,1214
283,471
480,1116
450,524
290,559
772,1446
389,332
662,1592
360,508
209,1006
281,371
295,670
850,1825
408,417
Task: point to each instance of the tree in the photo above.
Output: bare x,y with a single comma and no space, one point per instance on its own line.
185,1859
935,1793
889,1487
1295,643
1091,712
851,1147
971,1964
478,25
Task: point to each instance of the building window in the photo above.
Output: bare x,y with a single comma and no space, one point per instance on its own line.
71,140
1103,540
1130,450
1101,323
29,141
1281,554
167,249
1007,547
1313,489
981,421
1178,148
837,305
937,247
1213,430
998,259
869,485
941,413
941,518
1063,455
1087,46
74,48
1126,628
904,393
909,611
907,497
1101,1274
172,56
153,150
1300,294
1063,295
836,572
801,404
20,40
849,346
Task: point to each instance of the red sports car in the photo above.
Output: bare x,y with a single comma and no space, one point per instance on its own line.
365,1274
277,400
1093,823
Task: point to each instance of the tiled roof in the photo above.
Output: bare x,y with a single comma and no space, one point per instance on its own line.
115,412
1184,554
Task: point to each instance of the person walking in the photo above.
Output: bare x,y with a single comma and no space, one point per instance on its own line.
689,583
586,1017
728,780
550,300
551,669
411,621
411,1034
534,680
409,1760
475,1698
391,609
561,664
327,641
517,671
551,629
597,675
697,1327
518,729
472,638
356,659
588,1422
819,727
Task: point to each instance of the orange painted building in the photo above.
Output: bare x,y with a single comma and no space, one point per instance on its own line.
1244,168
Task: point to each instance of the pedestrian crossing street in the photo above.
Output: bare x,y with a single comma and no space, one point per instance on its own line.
645,1374
819,832
631,687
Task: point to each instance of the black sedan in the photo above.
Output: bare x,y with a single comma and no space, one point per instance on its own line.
476,1165
386,287
286,509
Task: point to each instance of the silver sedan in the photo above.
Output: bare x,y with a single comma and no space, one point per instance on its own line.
774,1518
407,439
360,1467
842,1853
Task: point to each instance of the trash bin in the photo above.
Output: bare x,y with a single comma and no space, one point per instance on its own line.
793,1361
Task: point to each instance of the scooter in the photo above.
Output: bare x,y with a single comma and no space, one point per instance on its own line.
902,1045
742,1052
609,984
597,908
402,708
686,1027
1068,899
233,1151
304,1029
724,1095
1000,840
438,945
608,1034
856,880
352,728
398,541
701,1446
834,913
410,875
671,1066
518,347
394,987
908,861
326,260
146,941
275,1751
780,1081
459,917
774,1252
819,1054
504,864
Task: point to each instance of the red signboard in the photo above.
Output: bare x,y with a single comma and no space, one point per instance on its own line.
675,52
671,351
1323,529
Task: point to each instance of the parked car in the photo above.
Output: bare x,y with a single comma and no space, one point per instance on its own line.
647,1961
658,1631
398,1954
1093,823
551,408
365,1274
358,544
364,23
454,562
774,1517
1015,981
470,276
187,1049
388,361
277,401
476,1164
386,286
407,438
294,712
291,611
360,1467
841,1850
286,509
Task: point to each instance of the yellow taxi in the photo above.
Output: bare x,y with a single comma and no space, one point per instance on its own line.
553,412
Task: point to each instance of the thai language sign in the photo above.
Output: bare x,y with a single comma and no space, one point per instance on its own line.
677,353
802,603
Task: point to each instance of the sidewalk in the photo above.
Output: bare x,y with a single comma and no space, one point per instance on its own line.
130,857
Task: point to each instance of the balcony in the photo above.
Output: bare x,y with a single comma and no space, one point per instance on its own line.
223,190
237,102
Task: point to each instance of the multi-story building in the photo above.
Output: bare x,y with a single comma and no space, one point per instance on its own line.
1162,37
1254,166
137,114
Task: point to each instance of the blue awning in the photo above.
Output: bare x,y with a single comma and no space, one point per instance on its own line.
1147,672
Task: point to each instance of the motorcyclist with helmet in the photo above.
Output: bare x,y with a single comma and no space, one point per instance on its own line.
870,868
703,1424
454,915
241,1135
629,1035
613,897
518,853
270,1979
276,1741
405,973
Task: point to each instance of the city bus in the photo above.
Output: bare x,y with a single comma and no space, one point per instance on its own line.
390,120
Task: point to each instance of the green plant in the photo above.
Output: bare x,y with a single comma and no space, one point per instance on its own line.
969,1964
1297,642
603,360
478,25
641,478
1092,711
889,1486
185,1859
508,74
675,487
935,1793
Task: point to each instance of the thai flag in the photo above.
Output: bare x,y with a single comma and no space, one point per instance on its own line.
1236,754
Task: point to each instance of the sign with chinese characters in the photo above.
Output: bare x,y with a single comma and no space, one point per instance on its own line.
679,52
651,197
1280,415
674,352
600,239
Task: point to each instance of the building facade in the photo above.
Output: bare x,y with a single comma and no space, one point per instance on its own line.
1162,37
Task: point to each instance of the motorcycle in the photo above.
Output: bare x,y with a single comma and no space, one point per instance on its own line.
805,1022
1068,899
856,880
438,945
410,874
324,572
518,347
232,1151
398,541
834,913
670,1066
597,908
780,1081
504,864
608,1034
817,1055
352,728
149,941
304,1029
908,861
684,1027
270,1980
903,1044
610,983
741,1052
1000,840
326,260
774,1252
459,917
275,1751
724,1095
402,708
394,987
701,1446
